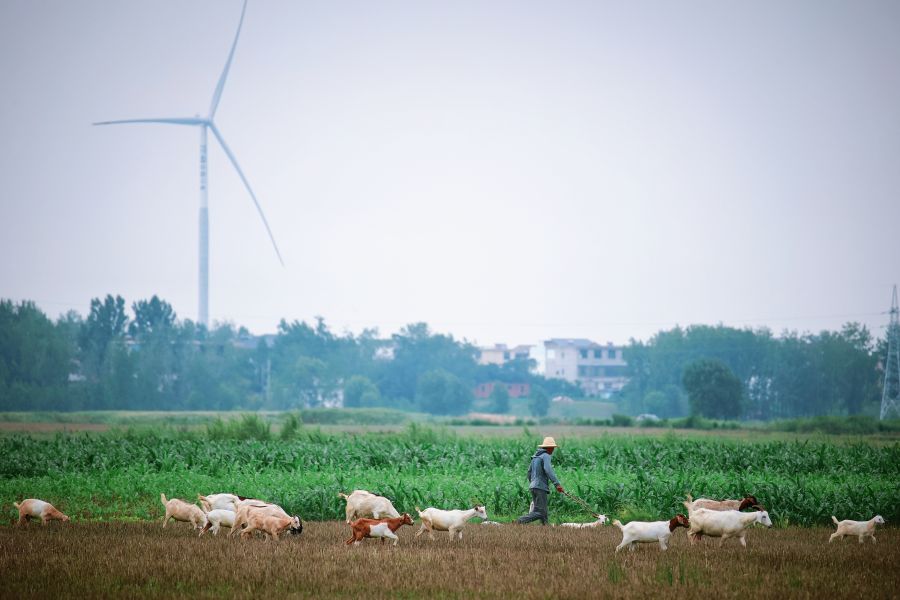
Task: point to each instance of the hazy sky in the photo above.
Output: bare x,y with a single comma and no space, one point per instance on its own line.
505,171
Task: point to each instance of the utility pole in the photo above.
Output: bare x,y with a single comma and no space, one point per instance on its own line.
890,395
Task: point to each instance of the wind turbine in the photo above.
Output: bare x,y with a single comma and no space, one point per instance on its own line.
208,123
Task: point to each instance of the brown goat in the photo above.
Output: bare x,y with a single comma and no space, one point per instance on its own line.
380,528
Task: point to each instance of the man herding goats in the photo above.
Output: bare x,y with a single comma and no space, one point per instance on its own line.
539,472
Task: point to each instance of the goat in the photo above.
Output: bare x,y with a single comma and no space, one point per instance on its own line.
32,508
492,523
647,532
219,501
363,504
216,518
862,529
723,523
435,519
747,502
183,511
601,520
249,506
380,528
268,524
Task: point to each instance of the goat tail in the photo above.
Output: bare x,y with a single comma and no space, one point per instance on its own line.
342,495
162,497
419,510
16,504
834,520
618,524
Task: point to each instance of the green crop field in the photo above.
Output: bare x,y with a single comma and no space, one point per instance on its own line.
119,475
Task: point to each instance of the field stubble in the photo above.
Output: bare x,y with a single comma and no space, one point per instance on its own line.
144,560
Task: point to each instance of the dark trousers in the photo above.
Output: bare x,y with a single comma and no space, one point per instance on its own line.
539,512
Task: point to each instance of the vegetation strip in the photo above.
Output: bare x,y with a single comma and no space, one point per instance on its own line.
120,475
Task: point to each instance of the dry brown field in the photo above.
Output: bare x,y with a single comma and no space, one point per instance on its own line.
142,560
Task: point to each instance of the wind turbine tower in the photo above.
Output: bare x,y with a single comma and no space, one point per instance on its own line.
206,124
890,394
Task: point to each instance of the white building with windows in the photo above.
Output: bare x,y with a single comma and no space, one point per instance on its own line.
600,370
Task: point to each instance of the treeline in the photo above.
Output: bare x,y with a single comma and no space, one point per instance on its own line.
143,357
146,358
727,373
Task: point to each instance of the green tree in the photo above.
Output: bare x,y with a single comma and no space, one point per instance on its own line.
538,402
440,392
35,359
713,389
158,356
105,360
499,399
359,391
416,351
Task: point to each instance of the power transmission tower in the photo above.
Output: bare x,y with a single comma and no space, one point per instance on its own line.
890,396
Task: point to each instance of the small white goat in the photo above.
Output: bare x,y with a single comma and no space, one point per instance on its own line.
723,523
363,504
216,519
601,520
492,523
435,519
646,532
862,529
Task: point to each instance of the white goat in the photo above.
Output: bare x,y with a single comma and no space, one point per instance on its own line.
601,520
435,519
216,518
363,504
647,532
862,529
219,501
723,523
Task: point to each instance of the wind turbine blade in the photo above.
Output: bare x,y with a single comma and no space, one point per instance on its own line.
168,121
220,86
237,168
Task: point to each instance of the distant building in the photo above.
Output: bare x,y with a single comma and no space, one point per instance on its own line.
500,354
516,390
598,369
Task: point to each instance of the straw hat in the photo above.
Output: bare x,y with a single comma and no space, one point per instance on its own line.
549,442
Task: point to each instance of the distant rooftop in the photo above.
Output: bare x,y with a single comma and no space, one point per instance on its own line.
576,342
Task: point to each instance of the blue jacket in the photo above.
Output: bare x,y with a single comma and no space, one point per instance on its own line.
540,470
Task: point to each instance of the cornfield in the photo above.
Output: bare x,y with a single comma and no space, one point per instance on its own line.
120,476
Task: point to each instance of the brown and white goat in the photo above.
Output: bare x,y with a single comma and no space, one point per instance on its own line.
377,528
183,511
743,504
646,532
32,508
